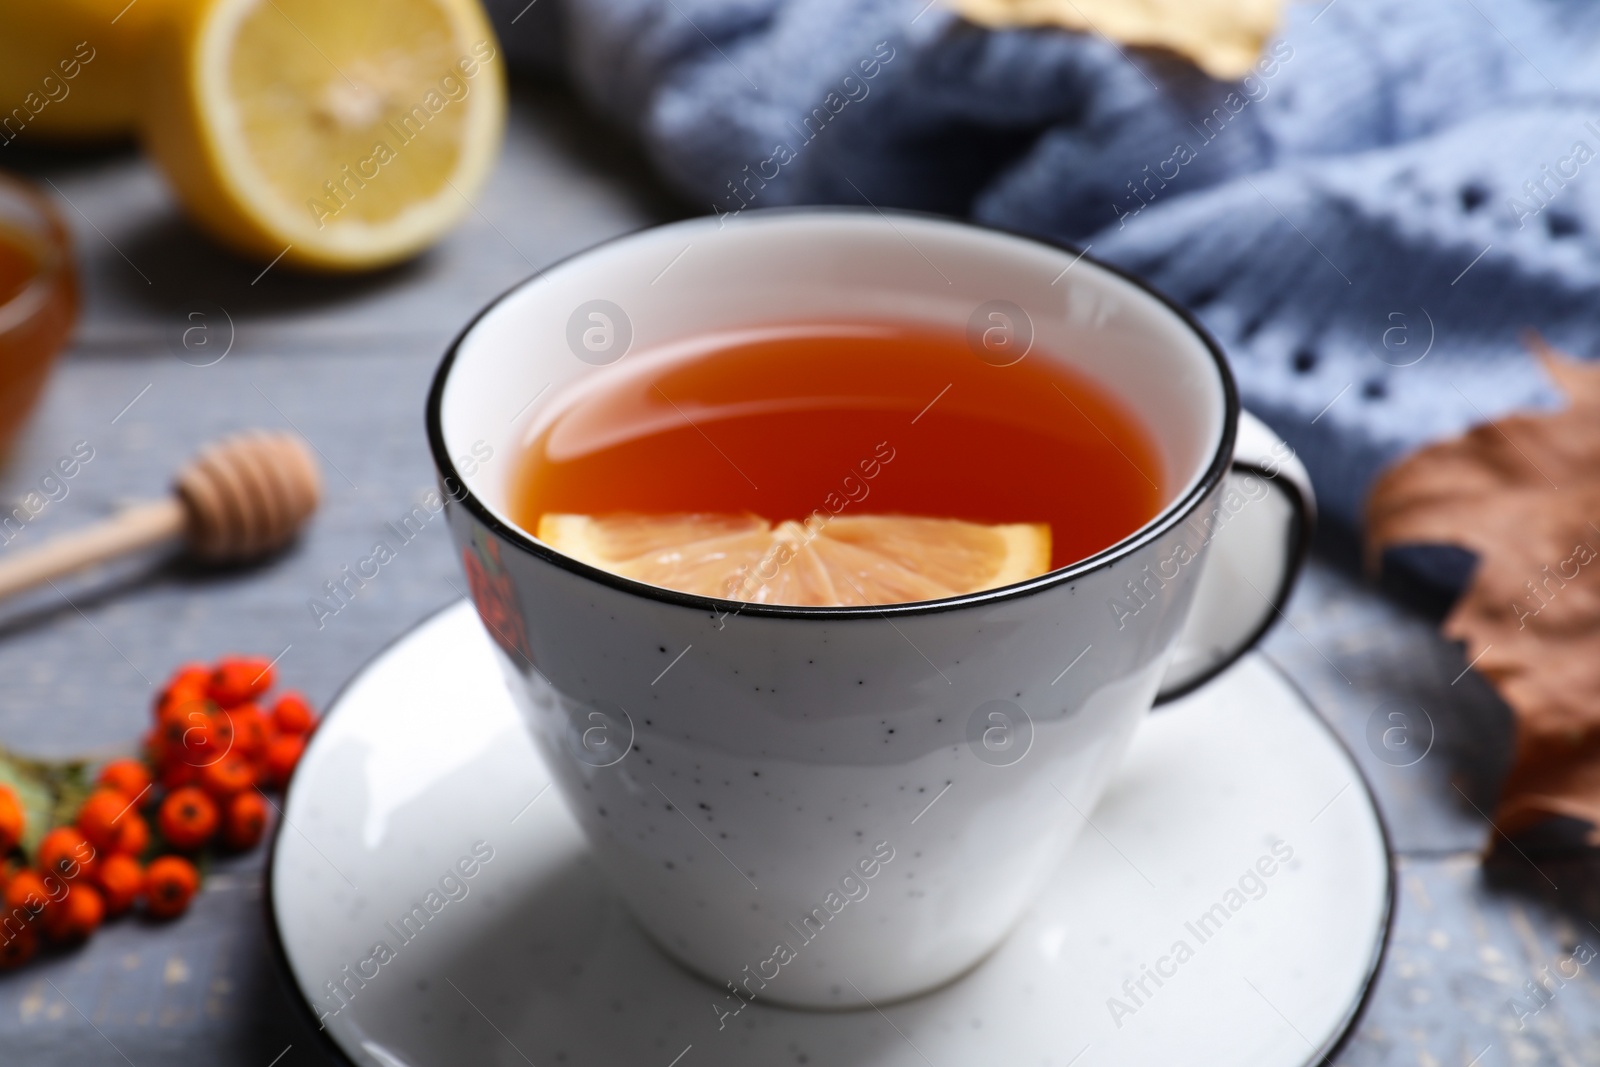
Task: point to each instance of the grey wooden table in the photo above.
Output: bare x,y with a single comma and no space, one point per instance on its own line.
346,363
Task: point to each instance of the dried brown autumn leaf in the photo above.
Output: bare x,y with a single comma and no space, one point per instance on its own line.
1224,38
1522,493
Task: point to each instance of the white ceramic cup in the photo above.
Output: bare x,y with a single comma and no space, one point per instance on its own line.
821,806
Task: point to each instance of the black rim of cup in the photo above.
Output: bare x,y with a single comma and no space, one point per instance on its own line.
1175,513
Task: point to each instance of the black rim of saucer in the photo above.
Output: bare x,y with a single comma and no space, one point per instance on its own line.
307,1011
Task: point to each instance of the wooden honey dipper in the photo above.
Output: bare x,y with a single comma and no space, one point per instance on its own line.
240,499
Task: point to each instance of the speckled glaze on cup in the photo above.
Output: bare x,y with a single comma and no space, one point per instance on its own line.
814,806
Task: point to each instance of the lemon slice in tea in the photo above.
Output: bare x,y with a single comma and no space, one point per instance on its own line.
854,560
341,136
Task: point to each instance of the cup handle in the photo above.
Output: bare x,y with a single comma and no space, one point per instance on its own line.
1255,554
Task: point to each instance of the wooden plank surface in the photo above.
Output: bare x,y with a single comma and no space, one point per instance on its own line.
346,362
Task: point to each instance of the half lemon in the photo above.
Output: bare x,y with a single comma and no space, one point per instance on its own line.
340,136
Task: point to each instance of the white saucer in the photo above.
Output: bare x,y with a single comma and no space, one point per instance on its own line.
423,756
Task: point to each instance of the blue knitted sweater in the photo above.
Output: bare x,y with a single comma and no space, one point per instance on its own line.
1367,223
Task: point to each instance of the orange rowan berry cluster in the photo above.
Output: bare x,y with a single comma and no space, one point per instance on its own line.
215,745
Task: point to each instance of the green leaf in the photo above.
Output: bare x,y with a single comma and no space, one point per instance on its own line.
49,791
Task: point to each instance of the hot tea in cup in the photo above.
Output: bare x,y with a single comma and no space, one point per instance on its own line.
823,463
